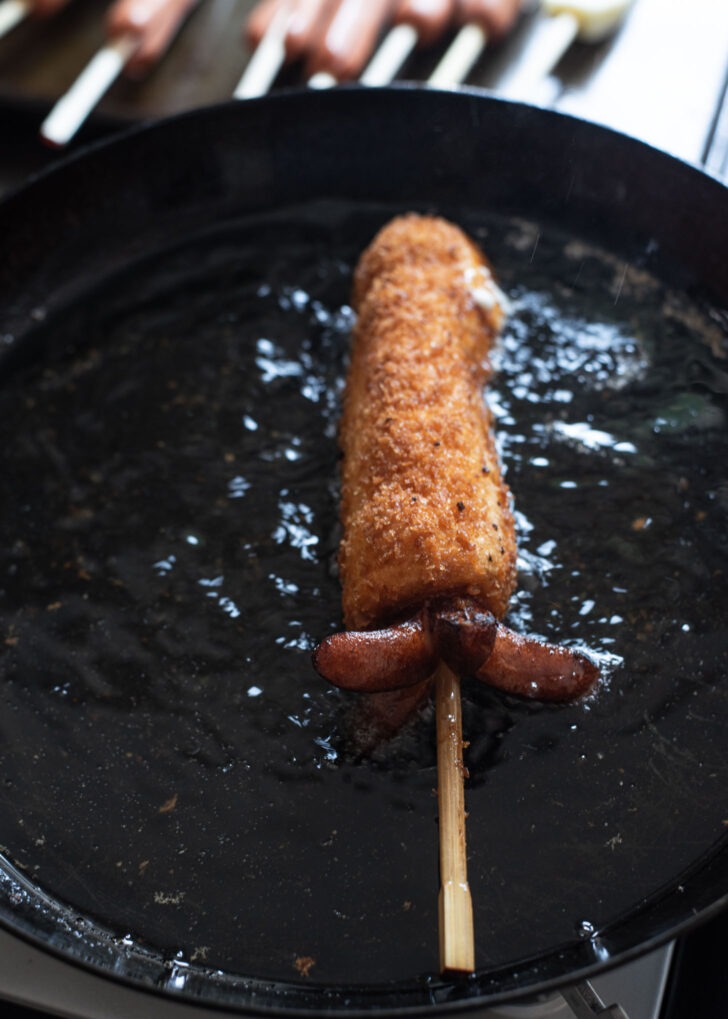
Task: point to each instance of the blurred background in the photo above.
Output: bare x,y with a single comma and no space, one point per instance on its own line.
660,76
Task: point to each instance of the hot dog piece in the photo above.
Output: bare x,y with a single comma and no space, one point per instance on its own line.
536,670
348,39
153,23
463,634
380,716
426,516
496,17
469,641
454,630
374,661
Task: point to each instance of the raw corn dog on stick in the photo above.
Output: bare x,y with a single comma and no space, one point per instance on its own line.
139,34
333,38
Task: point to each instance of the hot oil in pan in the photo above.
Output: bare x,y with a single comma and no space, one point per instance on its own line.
171,765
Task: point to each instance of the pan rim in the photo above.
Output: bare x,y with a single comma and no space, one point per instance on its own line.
149,972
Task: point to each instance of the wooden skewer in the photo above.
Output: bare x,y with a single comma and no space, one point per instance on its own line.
457,941
591,21
267,60
481,20
72,109
460,57
550,43
12,12
136,37
391,55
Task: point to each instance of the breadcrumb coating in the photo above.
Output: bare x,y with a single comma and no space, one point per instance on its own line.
424,509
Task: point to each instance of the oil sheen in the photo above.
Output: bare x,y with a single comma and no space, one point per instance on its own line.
173,768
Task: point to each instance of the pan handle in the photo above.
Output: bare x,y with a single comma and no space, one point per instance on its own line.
585,1003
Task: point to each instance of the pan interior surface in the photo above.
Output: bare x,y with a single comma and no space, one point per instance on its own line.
173,769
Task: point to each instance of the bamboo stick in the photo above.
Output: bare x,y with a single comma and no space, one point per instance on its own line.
457,943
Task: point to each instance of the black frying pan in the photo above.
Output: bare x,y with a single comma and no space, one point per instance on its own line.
185,806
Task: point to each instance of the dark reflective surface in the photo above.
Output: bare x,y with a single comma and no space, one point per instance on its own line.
172,766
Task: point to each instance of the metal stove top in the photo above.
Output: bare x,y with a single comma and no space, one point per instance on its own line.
35,979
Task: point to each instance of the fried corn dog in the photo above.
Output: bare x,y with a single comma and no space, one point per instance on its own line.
428,555
424,510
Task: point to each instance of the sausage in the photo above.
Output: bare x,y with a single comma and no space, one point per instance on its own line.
339,35
429,18
455,630
348,38
153,23
469,640
496,17
306,21
536,670
380,716
428,554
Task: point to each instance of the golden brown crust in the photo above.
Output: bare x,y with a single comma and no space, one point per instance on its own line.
424,508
